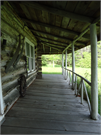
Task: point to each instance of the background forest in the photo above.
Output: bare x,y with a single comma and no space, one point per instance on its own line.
82,58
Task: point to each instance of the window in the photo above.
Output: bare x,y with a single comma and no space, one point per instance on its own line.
30,54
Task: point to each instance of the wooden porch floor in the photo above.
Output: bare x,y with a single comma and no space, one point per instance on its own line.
50,107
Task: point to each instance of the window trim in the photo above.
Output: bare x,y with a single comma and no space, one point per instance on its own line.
30,57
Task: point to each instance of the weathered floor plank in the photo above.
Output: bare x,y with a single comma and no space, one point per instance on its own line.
50,107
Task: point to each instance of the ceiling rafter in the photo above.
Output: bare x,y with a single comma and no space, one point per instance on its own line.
53,45
94,21
48,34
51,40
63,38
54,27
59,12
56,43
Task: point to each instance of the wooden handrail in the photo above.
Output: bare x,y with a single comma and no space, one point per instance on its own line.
79,76
81,86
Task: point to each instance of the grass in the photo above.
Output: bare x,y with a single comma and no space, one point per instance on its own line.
85,72
51,70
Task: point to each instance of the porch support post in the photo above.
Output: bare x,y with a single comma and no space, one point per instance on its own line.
66,64
73,65
1,103
62,63
94,81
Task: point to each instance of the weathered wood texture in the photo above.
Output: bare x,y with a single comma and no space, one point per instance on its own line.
11,21
10,79
58,21
50,106
9,44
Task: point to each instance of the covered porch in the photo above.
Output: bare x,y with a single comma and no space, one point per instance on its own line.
53,103
50,107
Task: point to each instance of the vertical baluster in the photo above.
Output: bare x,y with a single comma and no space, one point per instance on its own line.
69,78
78,89
67,75
89,105
75,84
82,91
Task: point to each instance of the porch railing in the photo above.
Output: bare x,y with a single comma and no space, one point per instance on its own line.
82,85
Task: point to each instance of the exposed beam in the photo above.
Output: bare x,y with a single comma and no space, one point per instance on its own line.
63,38
50,26
58,47
52,47
77,38
81,34
54,27
48,34
59,12
51,40
52,44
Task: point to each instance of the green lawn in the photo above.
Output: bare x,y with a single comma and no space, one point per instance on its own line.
51,70
85,72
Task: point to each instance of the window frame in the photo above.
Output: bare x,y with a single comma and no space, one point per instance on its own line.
30,65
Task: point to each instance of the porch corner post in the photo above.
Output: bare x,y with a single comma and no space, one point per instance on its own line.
2,117
73,65
66,64
94,81
62,63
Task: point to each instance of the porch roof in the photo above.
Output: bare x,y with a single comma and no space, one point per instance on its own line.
56,24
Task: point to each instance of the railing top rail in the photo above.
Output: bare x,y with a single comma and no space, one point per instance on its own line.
80,76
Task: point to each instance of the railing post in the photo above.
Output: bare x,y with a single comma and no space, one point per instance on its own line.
94,81
69,78
62,63
89,106
73,65
67,74
75,84
66,65
82,92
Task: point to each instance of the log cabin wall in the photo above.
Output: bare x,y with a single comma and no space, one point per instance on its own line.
11,28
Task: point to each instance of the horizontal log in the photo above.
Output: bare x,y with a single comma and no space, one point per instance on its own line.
40,69
32,73
13,74
30,79
59,12
16,24
6,87
39,73
11,96
3,62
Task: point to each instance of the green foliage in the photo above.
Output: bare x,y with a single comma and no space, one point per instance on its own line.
84,62
82,58
99,62
49,59
44,62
